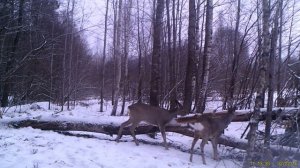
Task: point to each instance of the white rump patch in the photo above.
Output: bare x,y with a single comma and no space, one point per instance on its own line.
197,126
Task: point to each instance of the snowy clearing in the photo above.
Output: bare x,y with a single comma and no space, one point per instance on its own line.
27,147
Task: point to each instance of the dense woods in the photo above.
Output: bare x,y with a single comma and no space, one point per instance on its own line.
243,53
43,55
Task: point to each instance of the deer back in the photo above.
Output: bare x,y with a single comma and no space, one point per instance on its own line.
209,123
151,114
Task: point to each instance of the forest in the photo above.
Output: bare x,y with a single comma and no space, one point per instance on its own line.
182,66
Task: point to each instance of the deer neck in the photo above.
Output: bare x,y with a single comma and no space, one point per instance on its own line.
228,118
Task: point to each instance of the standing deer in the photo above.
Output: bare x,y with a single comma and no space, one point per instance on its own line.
139,112
207,126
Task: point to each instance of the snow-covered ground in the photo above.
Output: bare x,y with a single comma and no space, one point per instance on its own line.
28,147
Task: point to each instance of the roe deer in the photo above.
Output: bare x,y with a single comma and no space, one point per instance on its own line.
139,112
207,126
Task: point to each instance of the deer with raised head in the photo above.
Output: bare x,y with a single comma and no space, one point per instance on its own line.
153,115
207,126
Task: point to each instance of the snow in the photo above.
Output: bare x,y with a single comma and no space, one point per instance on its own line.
28,147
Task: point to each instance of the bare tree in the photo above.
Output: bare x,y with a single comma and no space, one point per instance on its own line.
103,58
70,57
206,55
51,68
199,46
63,87
33,68
155,65
115,24
118,60
236,56
12,53
127,28
273,47
172,77
140,65
279,61
191,62
262,84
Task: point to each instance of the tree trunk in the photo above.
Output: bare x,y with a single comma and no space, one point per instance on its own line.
273,47
155,63
140,65
179,9
199,43
5,91
70,58
279,79
173,58
172,79
51,68
236,57
191,64
103,58
63,87
262,85
115,25
206,56
127,28
118,61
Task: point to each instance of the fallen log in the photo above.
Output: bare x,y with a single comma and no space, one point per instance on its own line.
110,129
284,113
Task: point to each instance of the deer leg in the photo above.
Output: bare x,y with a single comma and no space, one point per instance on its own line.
163,133
204,141
121,129
215,149
132,129
196,137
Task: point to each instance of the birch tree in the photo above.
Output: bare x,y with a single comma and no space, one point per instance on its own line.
262,84
118,59
206,55
70,58
172,77
103,58
63,87
271,72
127,28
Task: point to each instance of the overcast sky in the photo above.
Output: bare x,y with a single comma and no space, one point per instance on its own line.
94,11
90,15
